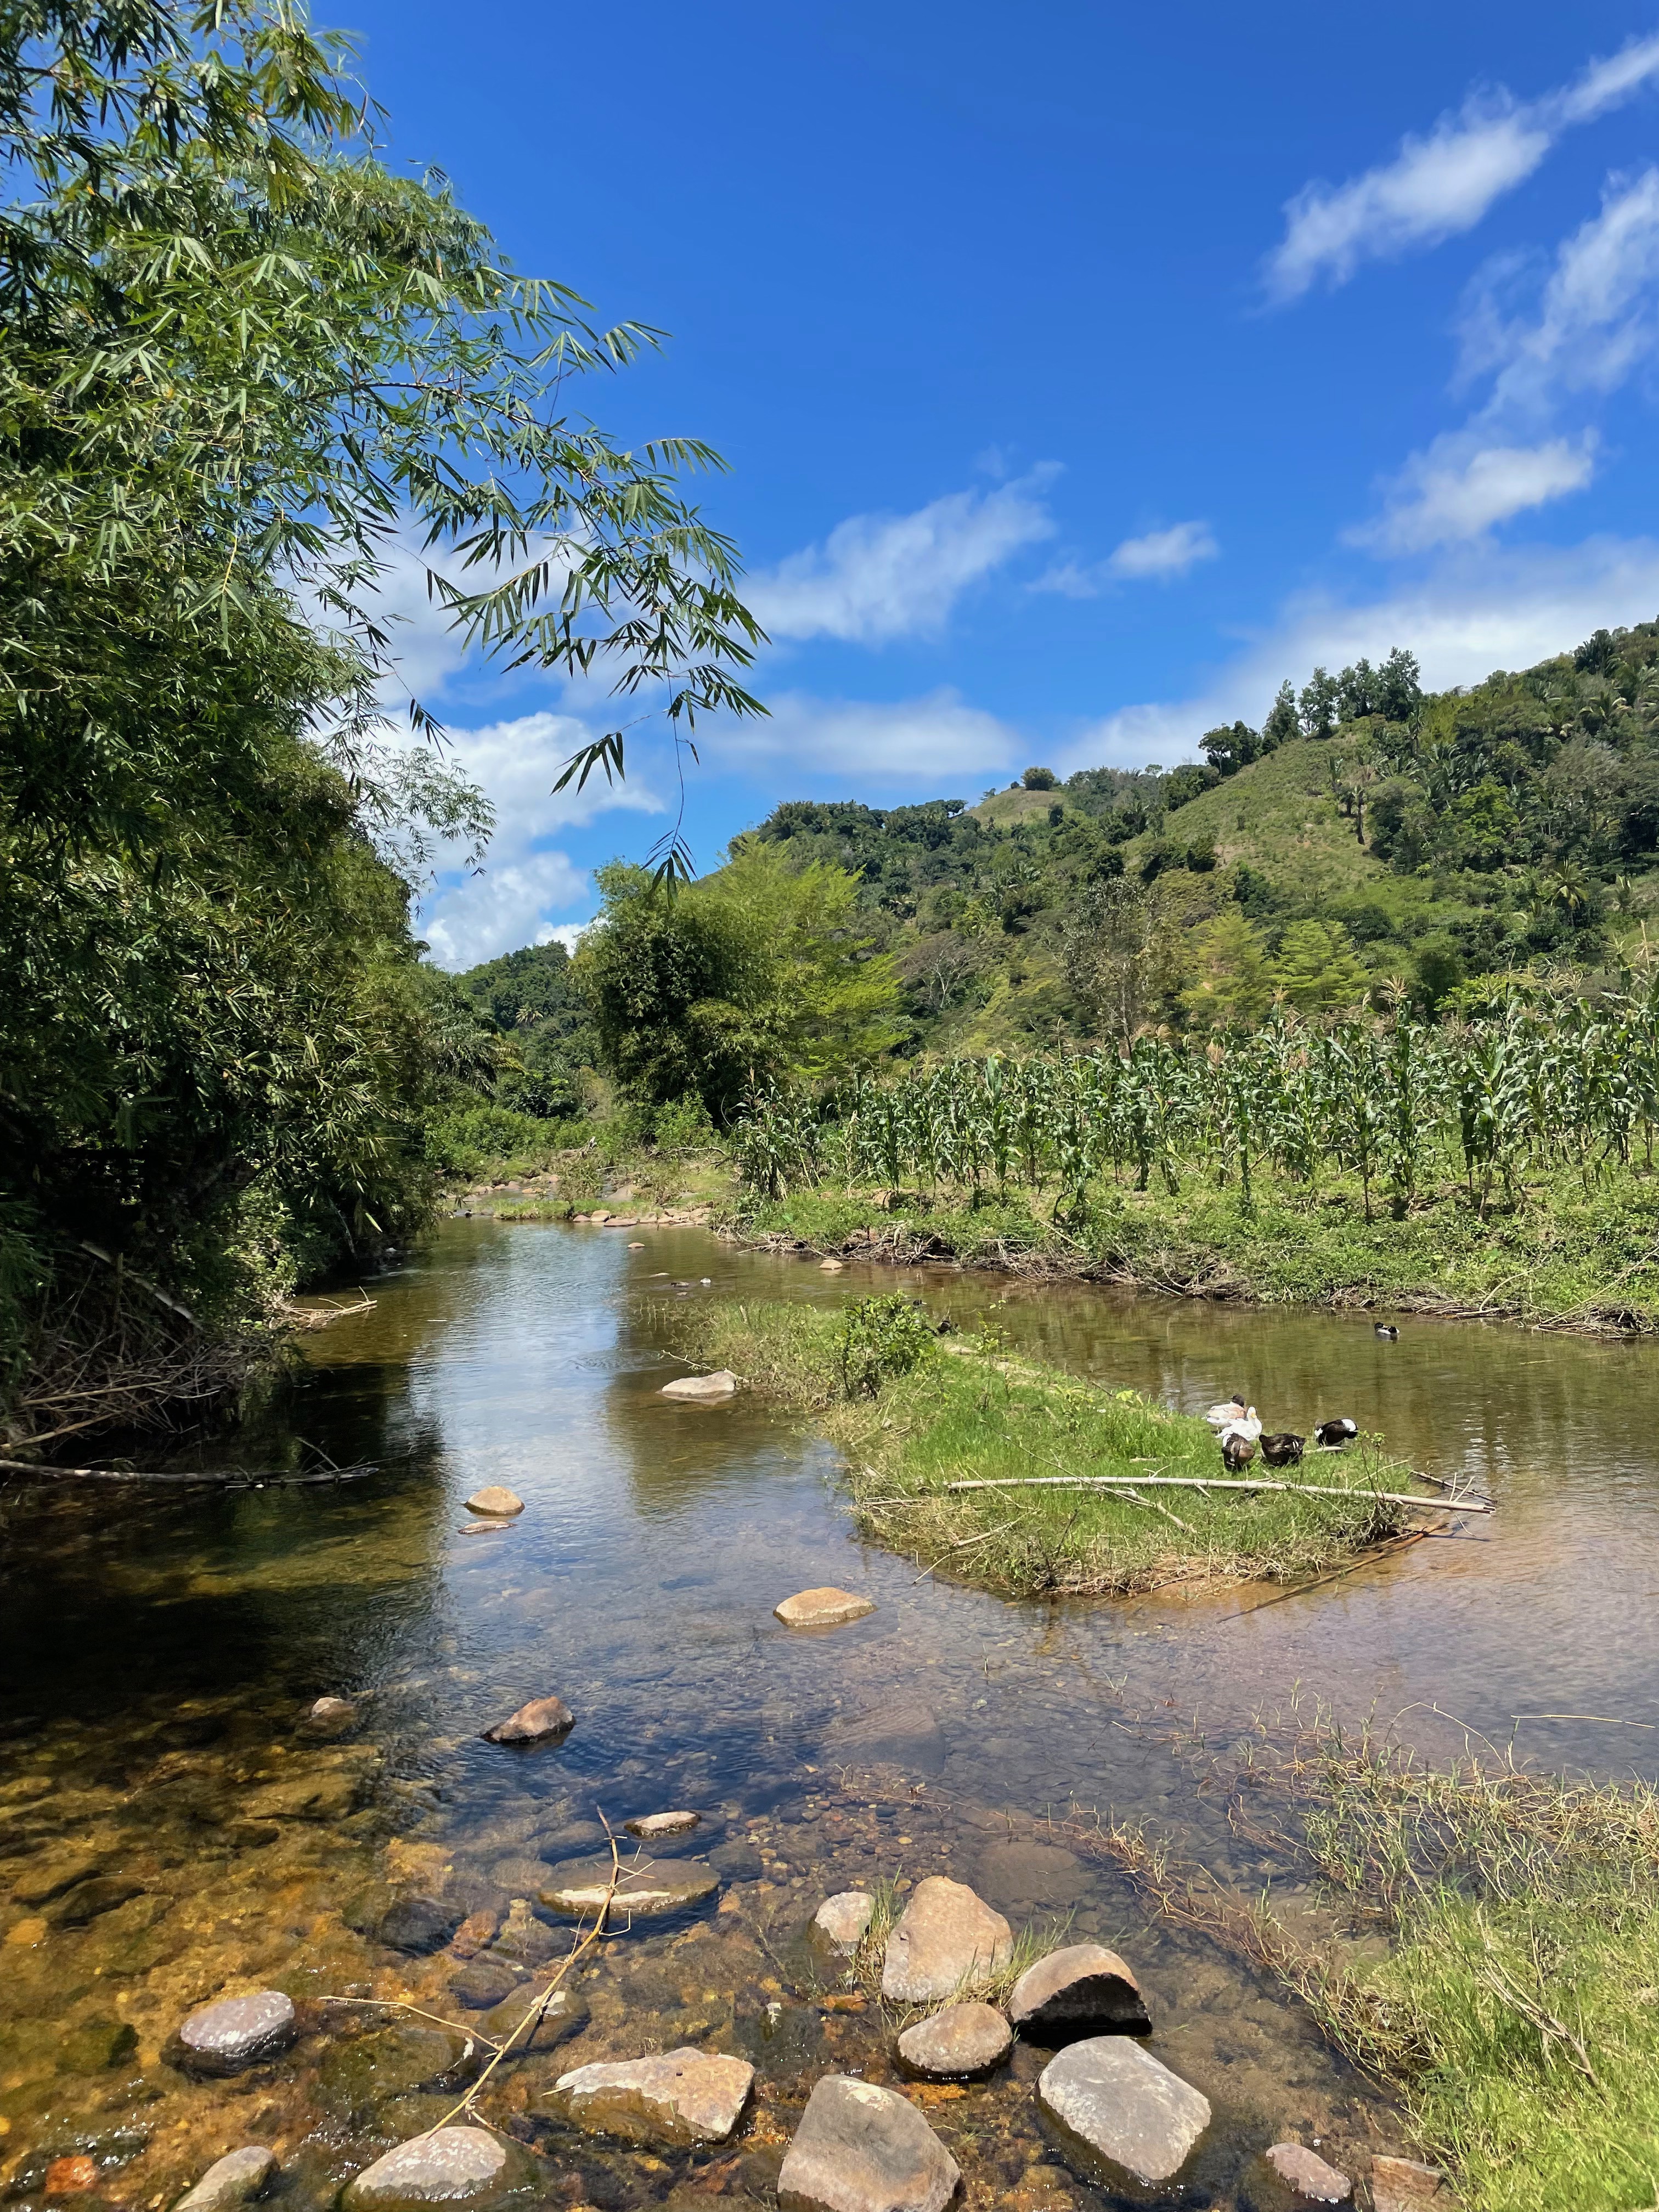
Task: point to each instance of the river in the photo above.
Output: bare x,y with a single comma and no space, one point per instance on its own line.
159,1647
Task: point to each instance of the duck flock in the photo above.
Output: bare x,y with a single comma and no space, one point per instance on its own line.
1239,1427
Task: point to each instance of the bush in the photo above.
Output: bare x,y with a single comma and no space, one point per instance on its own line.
881,1337
1040,778
466,1143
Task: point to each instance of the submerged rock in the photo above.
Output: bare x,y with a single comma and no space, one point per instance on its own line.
683,2097
563,2015
326,1718
417,1924
38,1884
366,2070
902,1734
843,1921
543,1720
1085,1986
1401,2185
97,2045
738,1861
962,2040
701,1390
452,2168
1290,2177
526,1939
652,1825
482,1984
652,1886
860,2149
827,1607
236,2178
236,2032
495,1498
1119,2114
89,1900
946,1939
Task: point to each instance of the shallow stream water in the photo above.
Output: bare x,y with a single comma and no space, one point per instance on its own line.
157,1649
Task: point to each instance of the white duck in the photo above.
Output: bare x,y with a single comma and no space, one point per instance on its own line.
1229,1410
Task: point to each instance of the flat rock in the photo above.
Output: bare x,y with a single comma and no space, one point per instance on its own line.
823,1608
543,1720
1083,1986
1300,2178
701,1390
236,2178
417,1924
682,2098
843,1921
452,2166
236,2032
1401,2185
325,1719
654,1885
900,1734
1022,1875
860,2149
952,2046
363,2072
495,1499
651,1824
946,1939
37,1884
1119,2113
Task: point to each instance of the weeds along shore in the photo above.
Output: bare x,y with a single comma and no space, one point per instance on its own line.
913,1413
1573,1259
1482,1939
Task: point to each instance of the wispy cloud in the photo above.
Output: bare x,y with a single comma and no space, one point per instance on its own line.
1158,556
1460,487
525,881
1441,185
1481,608
878,577
938,736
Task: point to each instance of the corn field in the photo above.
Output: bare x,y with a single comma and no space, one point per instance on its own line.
1402,1108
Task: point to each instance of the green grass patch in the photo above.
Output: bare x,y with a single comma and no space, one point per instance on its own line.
966,1410
1514,2008
1569,1257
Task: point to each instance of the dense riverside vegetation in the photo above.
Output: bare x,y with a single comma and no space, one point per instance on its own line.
244,369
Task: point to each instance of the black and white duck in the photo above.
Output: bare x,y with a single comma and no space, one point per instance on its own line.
1333,1435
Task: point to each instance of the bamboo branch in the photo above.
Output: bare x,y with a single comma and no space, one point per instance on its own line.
1215,1482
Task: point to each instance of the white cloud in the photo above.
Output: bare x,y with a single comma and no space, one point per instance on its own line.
1483,608
525,881
877,577
1595,320
565,932
938,736
1439,186
1159,556
1460,488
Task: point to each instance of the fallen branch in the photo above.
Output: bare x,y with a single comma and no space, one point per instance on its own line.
1124,1482
229,1478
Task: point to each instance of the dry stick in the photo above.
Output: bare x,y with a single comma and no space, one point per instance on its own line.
235,1476
966,1543
1213,1482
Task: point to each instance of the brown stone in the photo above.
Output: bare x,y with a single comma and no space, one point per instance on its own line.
946,1940
683,2097
956,2043
1085,1986
662,1824
495,1499
1309,2178
860,2149
701,1390
72,2176
823,1608
52,1876
541,1721
843,1921
1402,2184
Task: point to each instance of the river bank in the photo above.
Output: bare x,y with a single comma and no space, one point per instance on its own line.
917,1416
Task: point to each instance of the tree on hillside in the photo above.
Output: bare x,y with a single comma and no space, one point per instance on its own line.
1283,722
1317,969
756,976
1233,985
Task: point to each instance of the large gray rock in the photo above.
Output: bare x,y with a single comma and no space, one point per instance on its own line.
701,1390
947,1940
452,2167
842,1922
682,2098
1084,1986
543,1720
956,2043
236,2032
1119,2114
860,2149
236,2178
652,1886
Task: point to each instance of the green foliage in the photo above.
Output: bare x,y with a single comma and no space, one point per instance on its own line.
243,366
754,976
881,1337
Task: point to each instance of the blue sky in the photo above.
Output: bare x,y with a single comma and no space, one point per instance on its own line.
1082,371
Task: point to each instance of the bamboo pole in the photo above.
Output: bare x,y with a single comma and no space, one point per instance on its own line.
1215,1482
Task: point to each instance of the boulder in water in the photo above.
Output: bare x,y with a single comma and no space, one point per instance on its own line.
1123,2119
683,2097
236,2032
861,2148
823,1608
234,2180
543,1720
946,1940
